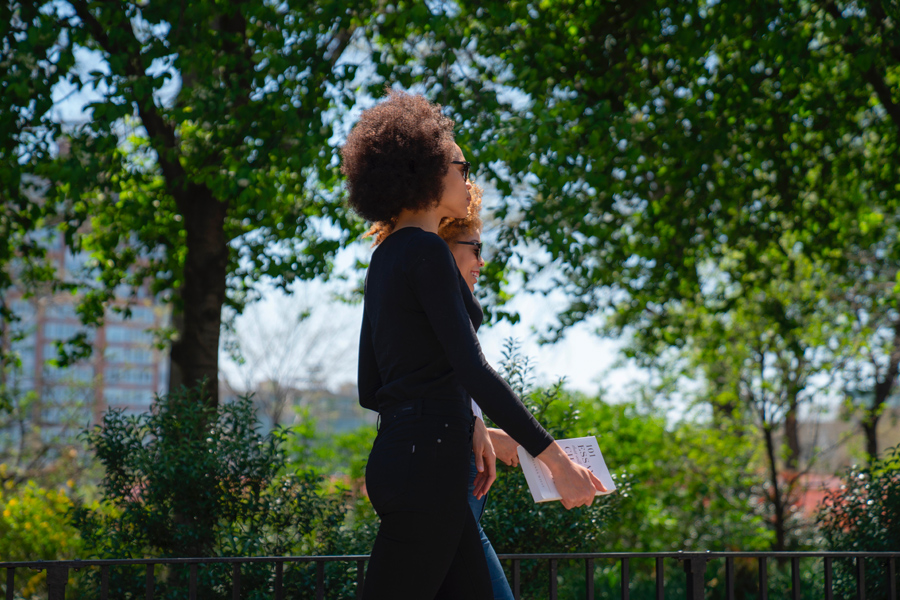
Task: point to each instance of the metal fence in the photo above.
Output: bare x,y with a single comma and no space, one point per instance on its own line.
694,565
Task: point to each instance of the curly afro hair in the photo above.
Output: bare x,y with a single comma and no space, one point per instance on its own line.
396,157
450,229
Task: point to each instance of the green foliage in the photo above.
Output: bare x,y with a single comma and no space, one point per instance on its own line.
658,139
182,482
203,163
33,526
681,486
864,516
331,454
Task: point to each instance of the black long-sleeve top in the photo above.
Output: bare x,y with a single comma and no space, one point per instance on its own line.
418,337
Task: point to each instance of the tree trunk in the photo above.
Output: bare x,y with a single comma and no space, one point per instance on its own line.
195,352
792,438
882,390
870,426
778,507
176,377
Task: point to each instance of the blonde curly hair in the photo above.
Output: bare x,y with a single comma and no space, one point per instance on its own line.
450,229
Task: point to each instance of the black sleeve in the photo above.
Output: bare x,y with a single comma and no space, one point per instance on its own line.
434,279
368,376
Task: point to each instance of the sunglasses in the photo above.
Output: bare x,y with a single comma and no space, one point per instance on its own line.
466,165
477,245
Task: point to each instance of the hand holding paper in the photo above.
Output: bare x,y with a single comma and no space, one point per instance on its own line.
583,452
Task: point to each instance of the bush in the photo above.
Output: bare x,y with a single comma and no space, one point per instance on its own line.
33,526
514,522
682,486
864,516
182,481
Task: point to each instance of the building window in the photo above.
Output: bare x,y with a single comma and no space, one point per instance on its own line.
116,398
128,335
65,312
128,355
130,375
76,374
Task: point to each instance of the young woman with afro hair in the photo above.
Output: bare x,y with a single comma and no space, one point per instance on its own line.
420,361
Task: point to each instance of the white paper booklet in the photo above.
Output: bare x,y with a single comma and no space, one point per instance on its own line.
583,451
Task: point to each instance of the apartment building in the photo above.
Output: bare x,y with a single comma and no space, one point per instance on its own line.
125,371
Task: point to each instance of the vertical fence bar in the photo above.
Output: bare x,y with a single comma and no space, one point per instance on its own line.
694,569
57,578
236,581
892,579
192,582
729,578
763,578
360,578
860,578
829,592
279,580
517,579
589,578
553,578
625,579
104,582
10,582
660,585
320,580
795,578
149,582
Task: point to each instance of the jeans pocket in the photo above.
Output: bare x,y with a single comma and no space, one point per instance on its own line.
453,439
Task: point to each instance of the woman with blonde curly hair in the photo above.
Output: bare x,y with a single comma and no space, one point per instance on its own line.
420,361
464,238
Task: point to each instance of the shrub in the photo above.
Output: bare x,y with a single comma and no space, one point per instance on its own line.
864,516
181,481
33,526
681,486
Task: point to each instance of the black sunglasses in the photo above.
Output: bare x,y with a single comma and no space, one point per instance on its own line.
478,246
466,165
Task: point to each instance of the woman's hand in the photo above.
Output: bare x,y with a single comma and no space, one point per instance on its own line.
485,459
576,484
504,447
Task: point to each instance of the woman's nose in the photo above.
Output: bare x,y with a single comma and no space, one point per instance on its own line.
468,185
480,261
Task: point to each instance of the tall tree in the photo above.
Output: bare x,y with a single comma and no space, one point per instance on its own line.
642,144
766,361
204,162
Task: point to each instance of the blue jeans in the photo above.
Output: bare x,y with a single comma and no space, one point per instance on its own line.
501,587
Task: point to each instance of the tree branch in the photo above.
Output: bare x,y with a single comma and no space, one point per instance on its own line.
162,134
872,76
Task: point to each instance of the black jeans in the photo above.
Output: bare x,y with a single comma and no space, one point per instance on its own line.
428,545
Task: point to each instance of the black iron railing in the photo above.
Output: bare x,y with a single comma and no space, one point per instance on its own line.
694,566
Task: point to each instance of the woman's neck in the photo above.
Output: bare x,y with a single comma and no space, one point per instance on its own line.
429,220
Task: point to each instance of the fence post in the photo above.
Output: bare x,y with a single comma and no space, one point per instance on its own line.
516,579
695,569
553,579
57,578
